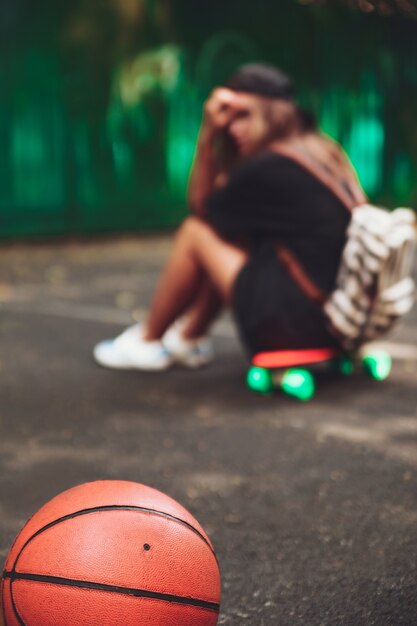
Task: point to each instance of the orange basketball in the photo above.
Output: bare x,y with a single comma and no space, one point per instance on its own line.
111,553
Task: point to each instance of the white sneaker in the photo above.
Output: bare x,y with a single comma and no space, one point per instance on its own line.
130,351
192,353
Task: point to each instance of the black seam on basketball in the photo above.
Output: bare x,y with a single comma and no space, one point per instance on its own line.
112,508
16,612
137,593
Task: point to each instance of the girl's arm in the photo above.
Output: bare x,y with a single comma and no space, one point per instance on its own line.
214,154
204,171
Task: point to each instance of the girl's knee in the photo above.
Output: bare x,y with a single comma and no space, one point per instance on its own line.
193,226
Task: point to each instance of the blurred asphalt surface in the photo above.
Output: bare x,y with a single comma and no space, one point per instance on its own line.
312,507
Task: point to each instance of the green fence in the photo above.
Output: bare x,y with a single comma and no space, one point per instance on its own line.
96,143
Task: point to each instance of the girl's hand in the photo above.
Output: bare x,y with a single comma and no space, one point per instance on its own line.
220,108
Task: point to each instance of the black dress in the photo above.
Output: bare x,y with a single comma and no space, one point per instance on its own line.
272,199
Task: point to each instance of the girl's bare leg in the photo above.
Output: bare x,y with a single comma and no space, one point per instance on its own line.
205,308
199,254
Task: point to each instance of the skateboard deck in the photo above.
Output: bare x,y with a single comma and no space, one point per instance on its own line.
292,358
292,371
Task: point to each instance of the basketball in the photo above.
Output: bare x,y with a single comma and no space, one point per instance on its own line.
111,553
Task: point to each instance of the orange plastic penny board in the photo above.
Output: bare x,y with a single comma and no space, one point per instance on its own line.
292,358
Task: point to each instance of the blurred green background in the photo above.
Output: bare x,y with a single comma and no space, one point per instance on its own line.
100,100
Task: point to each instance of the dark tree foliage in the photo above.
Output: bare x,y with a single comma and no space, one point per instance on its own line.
383,7
342,52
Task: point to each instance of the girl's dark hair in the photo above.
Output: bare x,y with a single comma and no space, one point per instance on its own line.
307,119
262,80
270,82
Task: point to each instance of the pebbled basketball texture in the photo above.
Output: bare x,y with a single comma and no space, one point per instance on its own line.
111,553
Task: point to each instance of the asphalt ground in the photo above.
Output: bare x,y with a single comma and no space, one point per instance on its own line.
312,507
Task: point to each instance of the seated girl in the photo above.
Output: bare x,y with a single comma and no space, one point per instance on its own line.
270,198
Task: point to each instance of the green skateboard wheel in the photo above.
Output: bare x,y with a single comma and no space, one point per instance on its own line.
298,383
260,380
345,365
377,364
